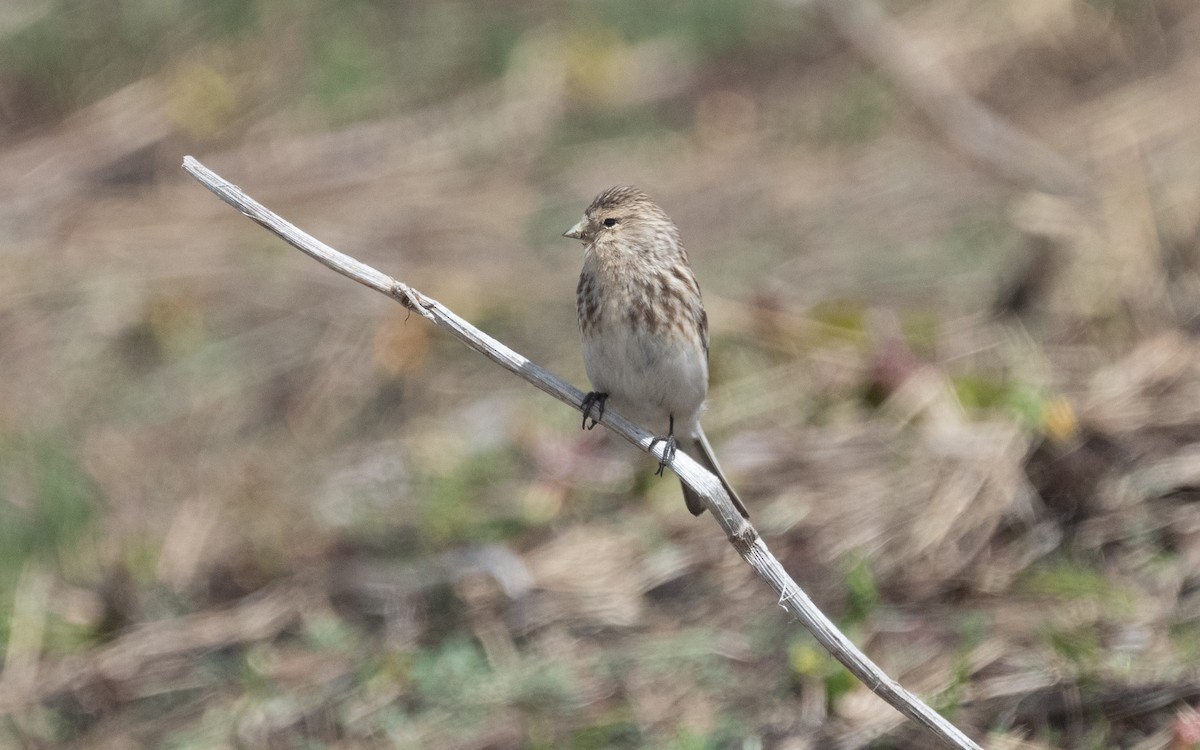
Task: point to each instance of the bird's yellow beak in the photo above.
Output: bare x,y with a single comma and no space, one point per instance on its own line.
575,232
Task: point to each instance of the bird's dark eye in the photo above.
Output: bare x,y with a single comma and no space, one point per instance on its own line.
610,222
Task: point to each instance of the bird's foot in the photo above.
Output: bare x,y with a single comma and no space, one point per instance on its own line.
668,450
593,399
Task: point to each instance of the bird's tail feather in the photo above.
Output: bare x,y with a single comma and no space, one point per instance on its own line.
702,452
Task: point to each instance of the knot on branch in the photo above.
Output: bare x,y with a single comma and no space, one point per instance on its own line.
744,538
407,296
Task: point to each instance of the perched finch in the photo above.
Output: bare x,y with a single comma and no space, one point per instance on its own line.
645,332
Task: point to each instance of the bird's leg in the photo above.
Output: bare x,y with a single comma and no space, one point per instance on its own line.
668,450
596,399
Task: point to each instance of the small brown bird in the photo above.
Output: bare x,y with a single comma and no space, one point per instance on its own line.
645,332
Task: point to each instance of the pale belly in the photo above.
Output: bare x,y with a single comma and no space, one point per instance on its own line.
648,378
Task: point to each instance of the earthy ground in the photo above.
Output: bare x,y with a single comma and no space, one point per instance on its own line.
953,271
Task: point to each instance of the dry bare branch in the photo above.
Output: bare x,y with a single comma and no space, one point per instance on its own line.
741,533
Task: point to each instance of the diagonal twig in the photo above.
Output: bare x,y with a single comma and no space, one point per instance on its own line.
969,127
741,533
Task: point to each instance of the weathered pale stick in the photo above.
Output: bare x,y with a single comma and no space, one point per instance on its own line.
742,535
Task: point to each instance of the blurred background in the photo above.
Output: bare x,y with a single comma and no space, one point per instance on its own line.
949,250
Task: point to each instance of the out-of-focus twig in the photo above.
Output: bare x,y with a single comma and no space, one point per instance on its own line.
257,617
970,127
96,144
742,535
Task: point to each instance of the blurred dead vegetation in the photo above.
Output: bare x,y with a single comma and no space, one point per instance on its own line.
951,261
